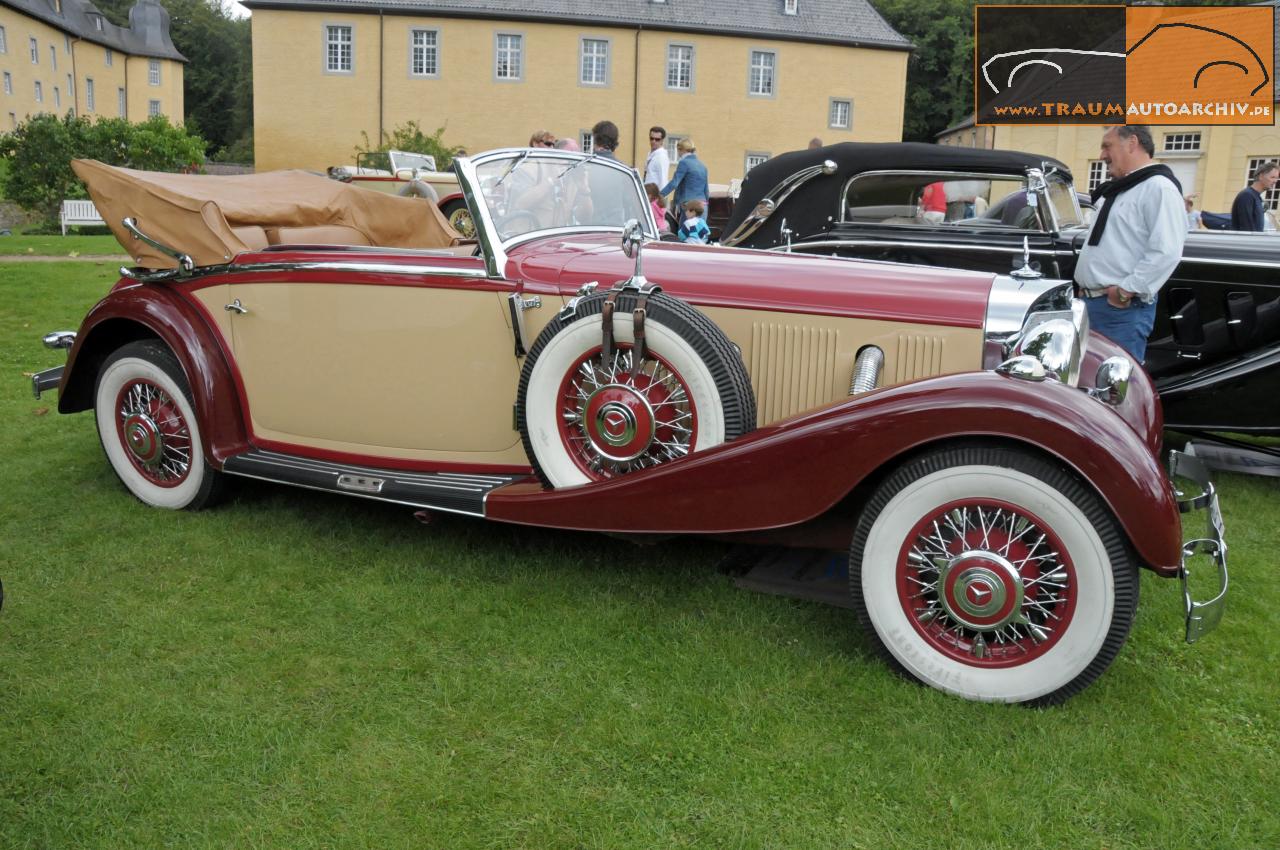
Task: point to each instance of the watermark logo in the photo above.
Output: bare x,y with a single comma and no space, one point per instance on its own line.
1117,64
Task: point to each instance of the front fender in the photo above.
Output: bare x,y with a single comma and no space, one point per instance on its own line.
144,311
798,469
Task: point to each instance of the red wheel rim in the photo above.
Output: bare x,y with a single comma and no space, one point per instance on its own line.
153,433
986,583
612,422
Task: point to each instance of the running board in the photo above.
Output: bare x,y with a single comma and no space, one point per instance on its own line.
452,492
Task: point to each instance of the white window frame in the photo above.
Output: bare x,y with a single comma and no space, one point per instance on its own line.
1097,174
8,83
35,52
586,139
53,57
1270,198
601,62
13,120
122,103
154,108
1189,142
108,57
677,62
57,98
4,41
153,72
89,99
66,44
832,102
39,92
424,56
334,47
767,70
508,50
752,159
670,143
790,7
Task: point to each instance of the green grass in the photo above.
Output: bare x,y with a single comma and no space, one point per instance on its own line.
60,246
295,670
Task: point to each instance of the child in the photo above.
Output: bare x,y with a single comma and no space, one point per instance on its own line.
694,228
659,207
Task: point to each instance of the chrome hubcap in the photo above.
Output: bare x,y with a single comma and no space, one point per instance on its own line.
981,590
143,438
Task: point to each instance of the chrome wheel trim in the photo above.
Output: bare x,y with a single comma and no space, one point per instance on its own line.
153,432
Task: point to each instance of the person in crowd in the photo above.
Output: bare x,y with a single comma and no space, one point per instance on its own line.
567,144
542,139
933,203
1194,221
1135,241
659,207
690,180
658,163
693,228
815,143
1248,209
604,139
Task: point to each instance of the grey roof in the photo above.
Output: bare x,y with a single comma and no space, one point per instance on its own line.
147,34
850,22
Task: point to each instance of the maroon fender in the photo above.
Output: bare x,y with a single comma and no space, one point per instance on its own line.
131,313
740,486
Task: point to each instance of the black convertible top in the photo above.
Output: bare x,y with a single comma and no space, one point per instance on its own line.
807,210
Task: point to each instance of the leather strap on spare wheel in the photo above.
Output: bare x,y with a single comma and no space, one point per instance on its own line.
607,345
637,324
606,330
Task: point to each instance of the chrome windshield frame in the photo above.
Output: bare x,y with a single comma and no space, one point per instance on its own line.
495,249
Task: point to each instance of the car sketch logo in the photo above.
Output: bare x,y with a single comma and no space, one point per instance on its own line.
1138,65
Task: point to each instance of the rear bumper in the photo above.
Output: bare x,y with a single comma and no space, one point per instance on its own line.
1207,550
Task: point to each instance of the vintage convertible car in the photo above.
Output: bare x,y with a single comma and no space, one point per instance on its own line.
1215,349
408,175
567,369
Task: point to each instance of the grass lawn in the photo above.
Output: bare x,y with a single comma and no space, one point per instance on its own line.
296,670
60,246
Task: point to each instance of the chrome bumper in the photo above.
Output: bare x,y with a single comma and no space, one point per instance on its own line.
1201,617
50,378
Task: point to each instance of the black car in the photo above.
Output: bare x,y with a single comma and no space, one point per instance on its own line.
1215,349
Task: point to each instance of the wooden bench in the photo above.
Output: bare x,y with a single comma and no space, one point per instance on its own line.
79,213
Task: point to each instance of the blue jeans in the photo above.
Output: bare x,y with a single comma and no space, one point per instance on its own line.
1128,327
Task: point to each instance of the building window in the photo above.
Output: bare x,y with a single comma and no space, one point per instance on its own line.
1270,199
13,120
508,56
760,83
88,95
4,41
108,57
8,83
1180,142
670,144
120,102
586,141
594,67
840,114
1097,173
35,52
57,98
71,86
57,6
97,22
754,158
338,40
53,57
424,53
66,44
153,72
680,67
153,108
39,92
790,7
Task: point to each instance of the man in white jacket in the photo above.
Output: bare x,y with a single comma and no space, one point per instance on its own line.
657,166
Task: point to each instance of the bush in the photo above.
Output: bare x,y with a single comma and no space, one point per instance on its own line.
409,137
39,151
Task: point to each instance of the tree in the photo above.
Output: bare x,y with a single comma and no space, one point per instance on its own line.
410,138
940,71
39,153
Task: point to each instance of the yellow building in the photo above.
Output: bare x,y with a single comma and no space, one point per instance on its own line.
63,56
746,79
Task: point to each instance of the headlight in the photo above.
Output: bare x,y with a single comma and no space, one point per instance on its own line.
1056,339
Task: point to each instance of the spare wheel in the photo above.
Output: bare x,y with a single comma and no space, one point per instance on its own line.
584,418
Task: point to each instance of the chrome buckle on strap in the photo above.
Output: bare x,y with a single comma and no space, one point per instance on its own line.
1201,617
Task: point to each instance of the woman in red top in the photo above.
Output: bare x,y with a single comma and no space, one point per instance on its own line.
933,203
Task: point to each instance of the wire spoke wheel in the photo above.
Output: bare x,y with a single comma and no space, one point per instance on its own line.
155,433
613,422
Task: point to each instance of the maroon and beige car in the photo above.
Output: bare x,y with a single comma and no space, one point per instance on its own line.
992,469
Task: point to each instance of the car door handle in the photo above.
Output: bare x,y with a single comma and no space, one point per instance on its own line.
236,307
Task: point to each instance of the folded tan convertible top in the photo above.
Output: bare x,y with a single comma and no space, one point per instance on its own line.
199,214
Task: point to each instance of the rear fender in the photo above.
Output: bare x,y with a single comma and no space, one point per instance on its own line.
797,470
153,311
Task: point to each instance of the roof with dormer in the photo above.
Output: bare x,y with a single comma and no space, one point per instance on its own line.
147,33
853,23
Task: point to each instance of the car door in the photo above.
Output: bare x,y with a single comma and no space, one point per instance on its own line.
987,222
407,357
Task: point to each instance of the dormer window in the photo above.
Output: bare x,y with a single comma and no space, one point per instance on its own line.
57,6
790,7
97,22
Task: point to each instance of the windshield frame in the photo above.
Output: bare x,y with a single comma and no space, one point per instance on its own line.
494,248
